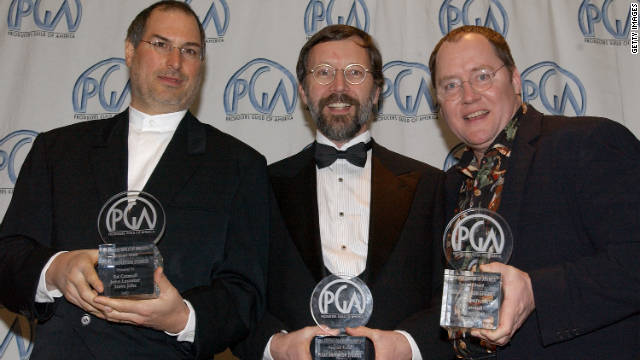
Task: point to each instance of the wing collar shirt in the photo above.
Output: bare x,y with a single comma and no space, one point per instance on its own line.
148,138
344,196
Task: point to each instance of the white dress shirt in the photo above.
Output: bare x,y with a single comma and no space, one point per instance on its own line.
344,198
344,203
148,138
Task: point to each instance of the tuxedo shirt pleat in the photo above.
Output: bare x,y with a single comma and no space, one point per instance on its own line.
344,198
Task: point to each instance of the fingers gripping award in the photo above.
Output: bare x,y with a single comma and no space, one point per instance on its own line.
130,224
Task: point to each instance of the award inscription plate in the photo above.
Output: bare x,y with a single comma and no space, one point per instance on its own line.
471,299
130,224
338,302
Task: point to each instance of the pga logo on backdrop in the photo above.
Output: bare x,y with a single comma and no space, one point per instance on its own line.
101,90
605,22
490,14
558,90
16,336
347,12
215,17
44,18
406,93
261,89
14,148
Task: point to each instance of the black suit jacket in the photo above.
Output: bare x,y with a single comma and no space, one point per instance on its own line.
571,200
404,268
214,190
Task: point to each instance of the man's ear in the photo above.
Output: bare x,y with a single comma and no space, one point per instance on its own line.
129,51
303,95
376,96
516,81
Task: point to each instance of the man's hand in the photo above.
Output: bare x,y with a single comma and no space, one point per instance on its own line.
167,313
388,344
295,345
517,305
73,274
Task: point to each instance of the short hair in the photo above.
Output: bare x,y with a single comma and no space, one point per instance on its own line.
139,23
497,41
342,32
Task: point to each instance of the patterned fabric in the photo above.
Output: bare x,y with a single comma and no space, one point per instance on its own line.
483,184
482,188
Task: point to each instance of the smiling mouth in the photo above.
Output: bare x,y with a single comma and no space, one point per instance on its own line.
476,114
338,105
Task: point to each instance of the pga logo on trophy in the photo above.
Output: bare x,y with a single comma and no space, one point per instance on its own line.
471,299
338,302
130,224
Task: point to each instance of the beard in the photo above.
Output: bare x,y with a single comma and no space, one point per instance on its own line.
341,127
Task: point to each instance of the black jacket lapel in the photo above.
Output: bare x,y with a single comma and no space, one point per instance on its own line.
391,199
518,169
108,158
298,201
179,161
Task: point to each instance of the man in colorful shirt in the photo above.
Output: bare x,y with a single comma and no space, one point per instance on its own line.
565,186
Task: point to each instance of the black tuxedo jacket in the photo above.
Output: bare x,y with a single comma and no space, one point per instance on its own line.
571,200
404,268
214,190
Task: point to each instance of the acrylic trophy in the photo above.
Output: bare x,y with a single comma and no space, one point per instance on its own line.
471,299
338,302
130,224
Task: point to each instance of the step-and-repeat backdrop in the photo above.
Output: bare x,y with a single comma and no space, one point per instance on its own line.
62,62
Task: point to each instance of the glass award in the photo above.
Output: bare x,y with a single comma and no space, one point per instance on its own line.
471,299
130,225
338,302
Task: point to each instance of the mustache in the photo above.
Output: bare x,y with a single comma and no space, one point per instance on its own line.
333,98
173,73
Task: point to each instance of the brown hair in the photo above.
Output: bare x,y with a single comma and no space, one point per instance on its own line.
499,45
139,23
341,32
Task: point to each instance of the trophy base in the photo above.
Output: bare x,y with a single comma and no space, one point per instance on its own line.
470,299
342,347
126,270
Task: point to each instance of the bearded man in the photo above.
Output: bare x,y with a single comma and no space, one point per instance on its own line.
350,206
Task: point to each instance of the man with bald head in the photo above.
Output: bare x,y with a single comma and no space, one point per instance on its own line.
566,186
213,189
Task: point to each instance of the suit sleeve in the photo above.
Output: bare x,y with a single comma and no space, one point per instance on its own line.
601,172
424,326
231,305
25,234
253,346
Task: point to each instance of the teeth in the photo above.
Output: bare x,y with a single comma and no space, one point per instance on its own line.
338,105
477,113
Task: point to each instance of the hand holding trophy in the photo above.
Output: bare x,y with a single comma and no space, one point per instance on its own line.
471,299
338,302
130,224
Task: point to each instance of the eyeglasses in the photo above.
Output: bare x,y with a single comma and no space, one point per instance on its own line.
353,73
188,52
480,80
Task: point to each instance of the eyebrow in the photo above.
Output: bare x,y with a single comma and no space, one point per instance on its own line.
160,37
481,67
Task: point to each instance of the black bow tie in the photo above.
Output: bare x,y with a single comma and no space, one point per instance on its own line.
357,154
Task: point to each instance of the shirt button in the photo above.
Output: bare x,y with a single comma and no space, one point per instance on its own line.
339,179
343,247
341,213
85,320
